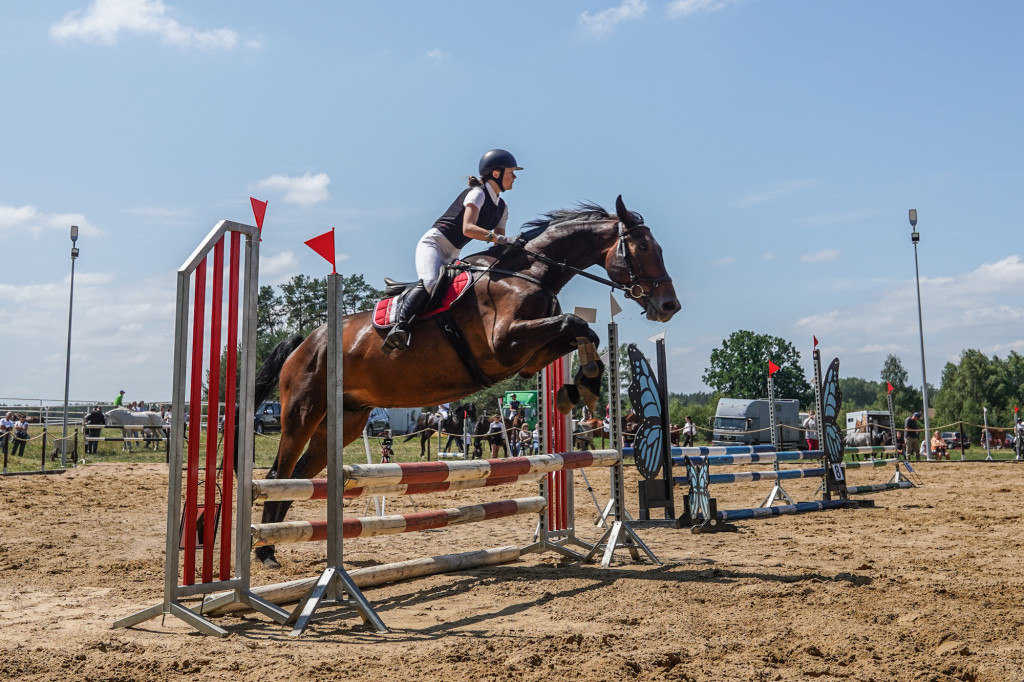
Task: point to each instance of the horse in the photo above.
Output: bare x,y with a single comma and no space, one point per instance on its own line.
429,423
878,436
586,431
510,321
135,421
512,428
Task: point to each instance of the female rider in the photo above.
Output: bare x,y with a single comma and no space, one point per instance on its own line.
478,212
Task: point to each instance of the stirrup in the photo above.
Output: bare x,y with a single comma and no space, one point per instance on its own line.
397,339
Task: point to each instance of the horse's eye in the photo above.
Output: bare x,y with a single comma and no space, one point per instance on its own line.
643,247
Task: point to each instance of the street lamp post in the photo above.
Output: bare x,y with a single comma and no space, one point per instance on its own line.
915,237
67,366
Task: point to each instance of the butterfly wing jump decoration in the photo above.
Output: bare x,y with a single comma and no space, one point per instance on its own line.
646,400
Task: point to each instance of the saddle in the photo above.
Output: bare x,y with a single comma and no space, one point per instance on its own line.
451,286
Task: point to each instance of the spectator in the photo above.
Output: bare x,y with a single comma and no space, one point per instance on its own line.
689,432
94,429
119,399
6,429
912,436
494,435
536,440
20,435
1018,438
810,426
939,446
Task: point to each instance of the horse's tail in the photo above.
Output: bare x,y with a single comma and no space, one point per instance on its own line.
267,378
270,372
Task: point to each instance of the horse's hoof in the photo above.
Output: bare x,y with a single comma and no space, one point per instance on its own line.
591,370
267,558
566,398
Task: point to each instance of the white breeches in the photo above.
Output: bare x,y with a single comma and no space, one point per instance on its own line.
433,251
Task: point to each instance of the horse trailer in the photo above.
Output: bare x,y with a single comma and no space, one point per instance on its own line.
747,422
863,420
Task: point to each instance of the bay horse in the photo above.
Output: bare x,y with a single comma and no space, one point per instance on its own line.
429,423
510,320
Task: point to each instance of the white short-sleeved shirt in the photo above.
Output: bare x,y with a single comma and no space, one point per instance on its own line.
476,197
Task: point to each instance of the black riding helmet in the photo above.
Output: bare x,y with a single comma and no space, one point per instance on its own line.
494,160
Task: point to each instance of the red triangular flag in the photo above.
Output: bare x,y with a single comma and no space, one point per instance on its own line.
815,340
324,245
259,209
772,368
891,389
1016,409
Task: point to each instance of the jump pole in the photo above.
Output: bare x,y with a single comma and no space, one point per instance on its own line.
620,533
335,580
777,490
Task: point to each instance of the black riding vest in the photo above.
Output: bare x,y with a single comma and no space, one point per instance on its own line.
450,224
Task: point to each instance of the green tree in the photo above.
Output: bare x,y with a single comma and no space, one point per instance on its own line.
358,295
861,394
305,303
905,399
739,369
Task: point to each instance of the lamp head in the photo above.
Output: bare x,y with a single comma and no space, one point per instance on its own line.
74,233
913,217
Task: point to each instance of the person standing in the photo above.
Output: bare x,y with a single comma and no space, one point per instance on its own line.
119,399
1018,437
912,435
20,435
94,422
810,426
6,429
689,432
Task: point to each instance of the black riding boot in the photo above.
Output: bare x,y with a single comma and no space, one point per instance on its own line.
409,307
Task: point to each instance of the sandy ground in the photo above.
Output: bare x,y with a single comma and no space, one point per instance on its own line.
926,586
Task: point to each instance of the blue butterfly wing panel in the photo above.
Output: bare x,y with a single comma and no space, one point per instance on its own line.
643,394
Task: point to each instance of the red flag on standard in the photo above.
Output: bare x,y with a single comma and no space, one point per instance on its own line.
259,210
891,389
772,368
815,340
324,245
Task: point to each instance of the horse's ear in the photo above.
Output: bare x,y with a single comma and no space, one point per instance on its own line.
620,210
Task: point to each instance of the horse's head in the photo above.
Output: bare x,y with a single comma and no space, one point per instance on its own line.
636,262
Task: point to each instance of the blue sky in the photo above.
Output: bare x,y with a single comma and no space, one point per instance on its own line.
773,146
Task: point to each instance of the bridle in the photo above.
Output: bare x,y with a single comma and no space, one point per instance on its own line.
634,289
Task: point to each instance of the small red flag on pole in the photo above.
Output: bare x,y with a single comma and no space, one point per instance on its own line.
324,245
772,368
815,340
259,210
891,389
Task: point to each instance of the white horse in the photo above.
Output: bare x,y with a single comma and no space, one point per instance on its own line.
134,421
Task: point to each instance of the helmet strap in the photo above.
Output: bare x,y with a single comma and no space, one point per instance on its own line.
499,181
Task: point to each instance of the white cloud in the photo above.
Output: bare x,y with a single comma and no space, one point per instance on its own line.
682,8
976,309
104,21
723,261
602,24
822,256
141,323
776,192
437,55
28,219
280,264
305,191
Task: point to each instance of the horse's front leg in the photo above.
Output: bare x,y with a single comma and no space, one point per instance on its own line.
547,339
542,340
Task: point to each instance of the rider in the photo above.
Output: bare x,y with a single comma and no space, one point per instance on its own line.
478,212
445,409
513,407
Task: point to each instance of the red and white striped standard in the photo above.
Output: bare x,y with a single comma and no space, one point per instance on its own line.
557,440
380,475
313,531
